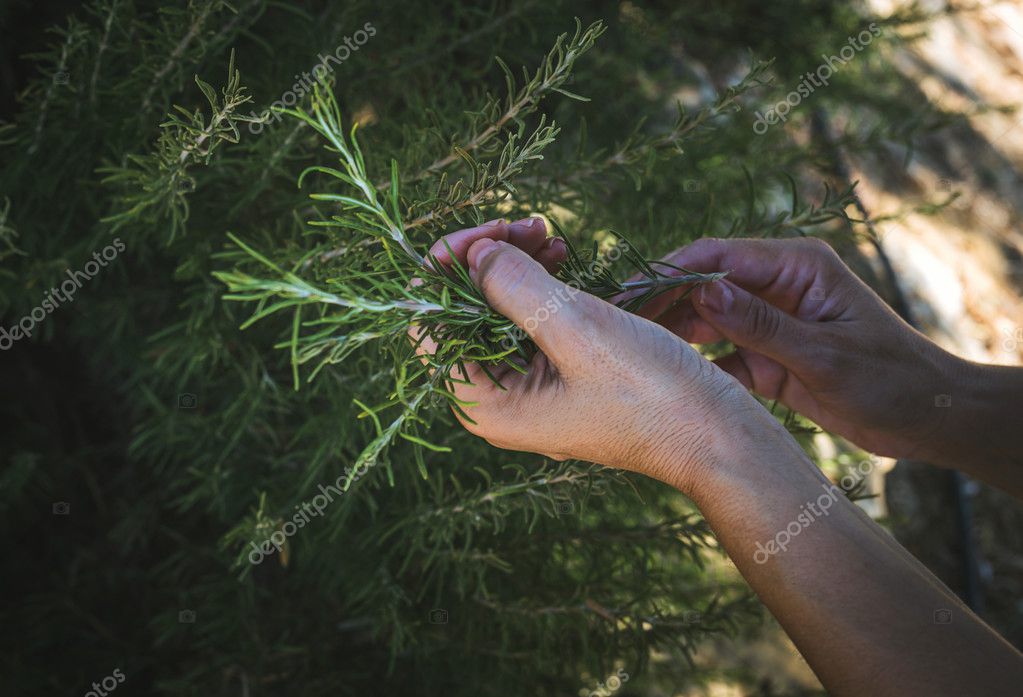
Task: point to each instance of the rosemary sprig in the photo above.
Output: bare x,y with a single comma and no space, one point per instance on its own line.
385,281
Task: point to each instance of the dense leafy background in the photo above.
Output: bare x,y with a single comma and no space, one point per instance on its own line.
570,573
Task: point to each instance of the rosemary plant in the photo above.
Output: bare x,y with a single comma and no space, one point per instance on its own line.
383,283
176,438
157,184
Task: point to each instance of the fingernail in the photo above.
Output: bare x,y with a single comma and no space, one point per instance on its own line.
493,223
716,296
527,224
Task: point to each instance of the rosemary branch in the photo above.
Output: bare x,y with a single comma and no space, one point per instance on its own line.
370,297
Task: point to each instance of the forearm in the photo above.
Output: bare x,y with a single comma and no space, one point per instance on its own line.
864,613
979,423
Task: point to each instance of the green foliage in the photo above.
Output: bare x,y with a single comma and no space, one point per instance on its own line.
376,294
178,438
157,185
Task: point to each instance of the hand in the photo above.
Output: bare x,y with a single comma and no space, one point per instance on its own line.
606,386
616,389
811,334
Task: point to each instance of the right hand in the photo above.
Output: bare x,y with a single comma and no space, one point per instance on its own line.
606,386
812,335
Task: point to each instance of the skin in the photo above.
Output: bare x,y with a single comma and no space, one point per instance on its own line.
814,336
626,391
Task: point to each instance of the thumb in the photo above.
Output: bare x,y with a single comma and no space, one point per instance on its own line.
751,322
522,290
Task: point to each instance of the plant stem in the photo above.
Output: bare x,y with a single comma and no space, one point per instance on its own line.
666,282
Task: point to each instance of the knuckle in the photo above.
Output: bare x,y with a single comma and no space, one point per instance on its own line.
593,312
706,371
818,247
590,323
761,322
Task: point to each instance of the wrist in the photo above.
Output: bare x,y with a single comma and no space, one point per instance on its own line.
978,419
953,395
915,420
731,443
948,397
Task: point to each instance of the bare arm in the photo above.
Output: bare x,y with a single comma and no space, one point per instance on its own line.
867,616
616,389
981,429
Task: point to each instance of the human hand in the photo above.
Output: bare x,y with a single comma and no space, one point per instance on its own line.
812,335
606,386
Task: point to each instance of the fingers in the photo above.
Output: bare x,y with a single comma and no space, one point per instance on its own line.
520,288
756,372
683,320
552,254
799,276
781,271
479,382
652,309
750,321
672,311
528,234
